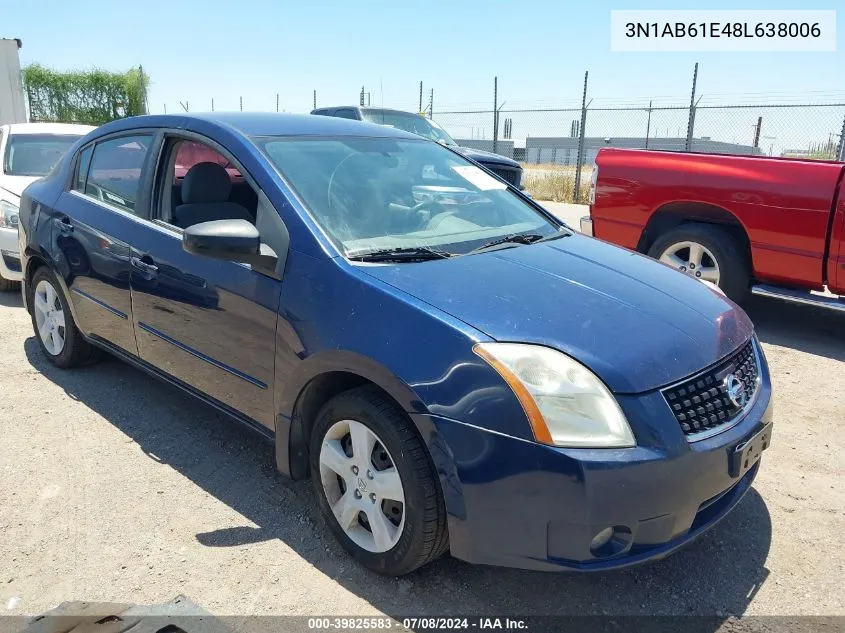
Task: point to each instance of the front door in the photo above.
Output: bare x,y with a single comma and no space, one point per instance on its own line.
208,323
93,225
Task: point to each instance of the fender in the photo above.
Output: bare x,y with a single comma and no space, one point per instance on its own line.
38,259
291,434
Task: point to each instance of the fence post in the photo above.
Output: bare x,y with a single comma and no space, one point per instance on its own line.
241,100
420,110
577,188
691,123
431,105
277,102
495,113
315,100
842,142
648,125
757,129
212,104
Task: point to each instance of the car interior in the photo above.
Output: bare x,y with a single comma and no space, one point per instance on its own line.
204,186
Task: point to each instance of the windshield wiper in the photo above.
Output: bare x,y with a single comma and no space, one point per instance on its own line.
521,238
403,254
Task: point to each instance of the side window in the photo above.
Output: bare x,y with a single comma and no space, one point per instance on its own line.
82,165
346,113
201,185
115,170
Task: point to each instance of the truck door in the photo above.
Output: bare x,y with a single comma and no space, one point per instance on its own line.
836,258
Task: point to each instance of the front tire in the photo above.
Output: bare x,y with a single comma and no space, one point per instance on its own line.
706,252
57,335
375,484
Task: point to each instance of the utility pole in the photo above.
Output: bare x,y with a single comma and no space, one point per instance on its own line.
691,123
581,137
495,113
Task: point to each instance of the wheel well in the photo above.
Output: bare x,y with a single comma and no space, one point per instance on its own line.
32,266
313,396
674,214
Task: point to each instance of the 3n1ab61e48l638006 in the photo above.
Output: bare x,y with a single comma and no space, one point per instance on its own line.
722,29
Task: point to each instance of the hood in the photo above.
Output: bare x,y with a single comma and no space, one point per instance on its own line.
487,157
637,323
15,184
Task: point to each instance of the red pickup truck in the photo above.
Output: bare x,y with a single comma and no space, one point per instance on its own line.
769,226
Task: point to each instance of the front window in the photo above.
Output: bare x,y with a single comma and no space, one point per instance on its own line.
387,193
35,154
413,123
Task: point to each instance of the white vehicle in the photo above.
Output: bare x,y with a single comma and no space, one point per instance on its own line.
28,151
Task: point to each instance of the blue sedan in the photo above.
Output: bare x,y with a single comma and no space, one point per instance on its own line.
452,367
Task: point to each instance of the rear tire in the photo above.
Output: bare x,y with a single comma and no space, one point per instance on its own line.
719,245
52,321
417,526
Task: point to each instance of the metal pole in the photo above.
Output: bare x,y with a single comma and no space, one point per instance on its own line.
691,123
420,110
165,108
277,102
648,125
495,113
841,153
241,99
757,132
212,104
361,100
431,105
577,189
315,99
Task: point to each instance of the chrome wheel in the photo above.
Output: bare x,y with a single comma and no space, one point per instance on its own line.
693,259
49,317
362,486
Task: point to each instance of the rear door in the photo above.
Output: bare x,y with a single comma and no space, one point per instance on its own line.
209,323
94,221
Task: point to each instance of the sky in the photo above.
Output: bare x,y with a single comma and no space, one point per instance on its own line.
539,50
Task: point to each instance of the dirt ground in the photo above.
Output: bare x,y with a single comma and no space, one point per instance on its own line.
116,487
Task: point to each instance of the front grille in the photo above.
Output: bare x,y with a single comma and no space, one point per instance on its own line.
511,176
702,403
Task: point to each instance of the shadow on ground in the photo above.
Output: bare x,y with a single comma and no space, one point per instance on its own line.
717,575
11,299
804,328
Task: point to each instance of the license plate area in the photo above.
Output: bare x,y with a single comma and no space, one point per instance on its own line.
747,452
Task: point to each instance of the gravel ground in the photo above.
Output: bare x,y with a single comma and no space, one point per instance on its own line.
116,487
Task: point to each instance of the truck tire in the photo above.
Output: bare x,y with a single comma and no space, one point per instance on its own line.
706,252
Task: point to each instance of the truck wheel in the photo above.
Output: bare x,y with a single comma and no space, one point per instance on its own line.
375,483
706,252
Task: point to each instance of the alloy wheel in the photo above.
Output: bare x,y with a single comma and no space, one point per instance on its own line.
693,259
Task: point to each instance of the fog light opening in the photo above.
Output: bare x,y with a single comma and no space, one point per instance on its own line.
611,541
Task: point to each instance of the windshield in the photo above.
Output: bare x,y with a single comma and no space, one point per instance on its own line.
386,193
35,154
413,123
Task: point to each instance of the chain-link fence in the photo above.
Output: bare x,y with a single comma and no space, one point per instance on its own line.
558,146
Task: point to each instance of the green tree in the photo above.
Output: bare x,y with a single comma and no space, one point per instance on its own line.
93,97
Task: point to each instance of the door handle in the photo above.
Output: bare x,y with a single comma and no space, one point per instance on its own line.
64,225
145,266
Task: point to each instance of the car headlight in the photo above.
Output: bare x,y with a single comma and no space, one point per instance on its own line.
566,404
8,215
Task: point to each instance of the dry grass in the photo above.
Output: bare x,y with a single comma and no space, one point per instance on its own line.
555,182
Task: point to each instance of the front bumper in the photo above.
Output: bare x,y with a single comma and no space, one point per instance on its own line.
587,225
10,262
516,503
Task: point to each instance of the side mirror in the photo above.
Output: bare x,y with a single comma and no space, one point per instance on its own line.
231,240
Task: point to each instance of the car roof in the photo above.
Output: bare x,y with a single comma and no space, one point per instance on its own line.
261,124
72,129
369,109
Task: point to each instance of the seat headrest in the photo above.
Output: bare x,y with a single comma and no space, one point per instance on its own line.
206,182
